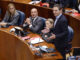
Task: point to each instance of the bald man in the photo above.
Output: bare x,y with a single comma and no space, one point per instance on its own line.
34,22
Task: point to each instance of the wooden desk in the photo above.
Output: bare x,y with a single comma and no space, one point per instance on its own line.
13,48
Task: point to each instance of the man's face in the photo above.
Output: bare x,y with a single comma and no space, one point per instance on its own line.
56,11
34,13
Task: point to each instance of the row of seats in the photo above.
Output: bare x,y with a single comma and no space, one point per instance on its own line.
22,17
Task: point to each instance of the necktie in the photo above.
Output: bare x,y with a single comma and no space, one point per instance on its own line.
32,21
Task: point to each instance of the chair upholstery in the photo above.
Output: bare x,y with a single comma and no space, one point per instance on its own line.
70,37
22,17
43,19
71,33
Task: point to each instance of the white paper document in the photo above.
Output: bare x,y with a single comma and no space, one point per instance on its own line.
36,40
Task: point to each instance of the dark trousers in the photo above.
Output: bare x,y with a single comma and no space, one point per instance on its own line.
62,51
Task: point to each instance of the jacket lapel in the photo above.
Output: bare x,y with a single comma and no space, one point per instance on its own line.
58,21
34,22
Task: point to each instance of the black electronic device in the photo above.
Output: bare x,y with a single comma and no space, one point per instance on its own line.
46,36
20,33
76,52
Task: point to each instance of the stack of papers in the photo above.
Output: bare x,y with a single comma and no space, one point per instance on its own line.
36,40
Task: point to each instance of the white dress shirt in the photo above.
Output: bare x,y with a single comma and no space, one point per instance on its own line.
33,21
57,17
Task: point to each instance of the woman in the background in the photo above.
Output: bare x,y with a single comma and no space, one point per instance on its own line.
11,16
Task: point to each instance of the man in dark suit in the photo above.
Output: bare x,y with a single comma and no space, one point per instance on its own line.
60,33
35,22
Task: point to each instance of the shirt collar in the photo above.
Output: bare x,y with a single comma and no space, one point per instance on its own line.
35,18
59,15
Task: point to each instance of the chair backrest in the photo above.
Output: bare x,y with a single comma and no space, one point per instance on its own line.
43,19
70,34
70,37
22,17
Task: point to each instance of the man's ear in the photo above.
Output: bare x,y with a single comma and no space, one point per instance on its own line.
61,10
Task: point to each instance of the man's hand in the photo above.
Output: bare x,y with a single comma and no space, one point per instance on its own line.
3,24
28,21
52,37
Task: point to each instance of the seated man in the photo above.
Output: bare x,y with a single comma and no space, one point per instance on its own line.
35,23
11,16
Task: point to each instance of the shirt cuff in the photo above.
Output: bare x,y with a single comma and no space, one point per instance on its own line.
30,26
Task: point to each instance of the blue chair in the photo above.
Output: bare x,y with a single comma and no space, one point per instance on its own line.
43,19
69,41
22,17
70,34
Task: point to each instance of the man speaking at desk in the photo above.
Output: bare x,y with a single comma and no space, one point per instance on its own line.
60,30
35,22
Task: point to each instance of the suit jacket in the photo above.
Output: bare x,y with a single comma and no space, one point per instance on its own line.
13,20
61,32
37,25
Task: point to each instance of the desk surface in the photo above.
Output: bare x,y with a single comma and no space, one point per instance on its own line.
45,57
